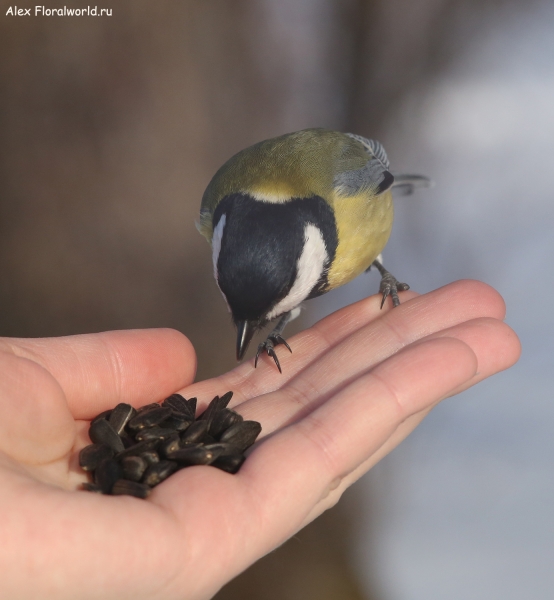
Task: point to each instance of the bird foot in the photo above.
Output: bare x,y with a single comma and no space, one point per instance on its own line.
269,347
391,286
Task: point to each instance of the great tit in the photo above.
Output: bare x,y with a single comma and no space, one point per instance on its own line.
293,217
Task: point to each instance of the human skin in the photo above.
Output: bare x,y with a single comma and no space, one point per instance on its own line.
358,382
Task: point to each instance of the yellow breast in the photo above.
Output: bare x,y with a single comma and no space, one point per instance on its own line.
364,223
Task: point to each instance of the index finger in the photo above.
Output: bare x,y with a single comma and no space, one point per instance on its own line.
354,326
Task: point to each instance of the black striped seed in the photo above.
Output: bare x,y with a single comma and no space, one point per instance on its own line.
133,467
134,450
154,433
230,464
177,421
149,418
222,449
93,454
130,488
158,472
194,455
120,416
179,405
222,420
242,435
216,405
101,432
139,449
107,473
150,457
195,432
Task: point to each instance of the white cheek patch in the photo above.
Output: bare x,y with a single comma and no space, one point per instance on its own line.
216,242
216,249
309,269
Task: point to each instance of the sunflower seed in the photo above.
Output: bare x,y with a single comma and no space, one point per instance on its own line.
101,432
156,473
180,405
149,418
133,467
120,416
222,449
242,435
147,407
150,457
195,432
130,488
222,420
127,440
92,455
135,449
139,449
177,421
103,415
215,406
194,455
171,444
231,463
154,433
106,474
192,402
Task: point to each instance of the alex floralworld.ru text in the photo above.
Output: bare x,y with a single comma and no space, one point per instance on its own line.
43,11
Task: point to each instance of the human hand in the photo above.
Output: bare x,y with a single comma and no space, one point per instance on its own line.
357,384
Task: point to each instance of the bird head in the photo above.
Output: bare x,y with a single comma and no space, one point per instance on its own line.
269,257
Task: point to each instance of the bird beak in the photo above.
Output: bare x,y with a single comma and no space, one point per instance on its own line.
245,331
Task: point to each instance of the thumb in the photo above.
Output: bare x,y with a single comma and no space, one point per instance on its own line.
36,426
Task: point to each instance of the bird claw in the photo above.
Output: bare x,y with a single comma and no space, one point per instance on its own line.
391,286
269,347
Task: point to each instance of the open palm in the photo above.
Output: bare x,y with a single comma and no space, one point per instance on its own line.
357,384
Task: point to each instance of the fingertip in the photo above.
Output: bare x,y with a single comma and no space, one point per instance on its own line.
479,294
180,349
504,347
155,362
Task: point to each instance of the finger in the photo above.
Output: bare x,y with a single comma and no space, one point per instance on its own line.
362,350
337,487
413,319
232,503
96,371
495,344
36,426
291,471
497,348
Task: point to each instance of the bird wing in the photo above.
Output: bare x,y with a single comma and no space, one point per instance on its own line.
374,176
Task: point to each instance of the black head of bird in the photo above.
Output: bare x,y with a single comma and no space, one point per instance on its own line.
291,218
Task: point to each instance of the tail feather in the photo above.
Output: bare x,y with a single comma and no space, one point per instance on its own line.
408,184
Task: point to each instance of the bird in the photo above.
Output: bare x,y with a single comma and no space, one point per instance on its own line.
293,217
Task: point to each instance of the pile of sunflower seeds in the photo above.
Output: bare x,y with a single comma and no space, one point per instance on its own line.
135,450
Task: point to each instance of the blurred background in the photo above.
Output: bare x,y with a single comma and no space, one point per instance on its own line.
111,128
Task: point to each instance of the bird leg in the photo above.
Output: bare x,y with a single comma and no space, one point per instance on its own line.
275,338
389,284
